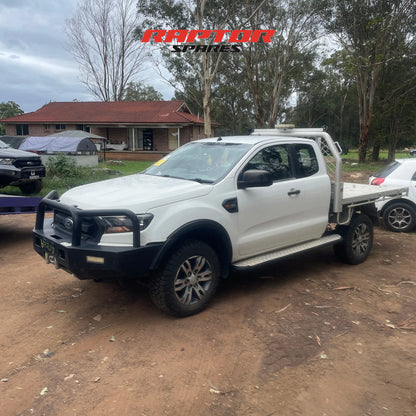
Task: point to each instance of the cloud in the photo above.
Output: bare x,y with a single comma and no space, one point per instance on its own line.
36,66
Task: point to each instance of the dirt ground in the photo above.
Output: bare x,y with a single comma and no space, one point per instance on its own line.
305,336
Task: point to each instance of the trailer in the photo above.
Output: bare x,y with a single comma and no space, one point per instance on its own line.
13,204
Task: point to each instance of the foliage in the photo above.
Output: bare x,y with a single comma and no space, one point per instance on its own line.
190,14
7,110
327,97
62,173
136,91
63,167
373,33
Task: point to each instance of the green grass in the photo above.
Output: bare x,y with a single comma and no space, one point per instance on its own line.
353,155
350,162
104,171
128,167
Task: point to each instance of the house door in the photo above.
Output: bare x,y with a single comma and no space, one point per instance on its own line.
148,140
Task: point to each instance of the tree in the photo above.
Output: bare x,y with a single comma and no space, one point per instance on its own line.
326,95
395,112
7,110
191,14
271,68
136,91
373,32
102,41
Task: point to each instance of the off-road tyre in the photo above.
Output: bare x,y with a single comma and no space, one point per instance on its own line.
187,281
32,187
357,240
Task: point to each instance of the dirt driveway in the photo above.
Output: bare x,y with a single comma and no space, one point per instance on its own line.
306,336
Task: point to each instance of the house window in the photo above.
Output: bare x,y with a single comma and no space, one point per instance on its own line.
80,127
47,126
60,126
22,129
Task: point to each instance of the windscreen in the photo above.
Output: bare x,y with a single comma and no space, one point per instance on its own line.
387,170
205,162
3,145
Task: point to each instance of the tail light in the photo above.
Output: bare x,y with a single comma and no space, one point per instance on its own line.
377,181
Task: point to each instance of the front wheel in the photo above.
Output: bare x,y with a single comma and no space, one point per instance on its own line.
187,281
399,217
32,187
357,240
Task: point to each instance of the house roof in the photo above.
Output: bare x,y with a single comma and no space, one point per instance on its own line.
127,112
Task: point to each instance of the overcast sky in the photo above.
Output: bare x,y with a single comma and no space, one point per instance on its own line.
35,67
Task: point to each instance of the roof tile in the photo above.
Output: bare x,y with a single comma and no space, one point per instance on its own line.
110,113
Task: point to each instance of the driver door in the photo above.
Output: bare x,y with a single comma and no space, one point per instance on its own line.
292,210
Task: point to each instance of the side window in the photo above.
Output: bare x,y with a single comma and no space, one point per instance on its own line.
308,164
414,177
273,159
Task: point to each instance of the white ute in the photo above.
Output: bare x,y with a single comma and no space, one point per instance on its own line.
212,205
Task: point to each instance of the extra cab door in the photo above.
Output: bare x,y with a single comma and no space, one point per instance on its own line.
293,209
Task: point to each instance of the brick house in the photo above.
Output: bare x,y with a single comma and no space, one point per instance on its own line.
136,126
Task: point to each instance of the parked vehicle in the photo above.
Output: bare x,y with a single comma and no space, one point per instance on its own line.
399,214
212,205
20,168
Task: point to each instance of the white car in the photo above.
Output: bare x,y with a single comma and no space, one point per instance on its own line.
399,214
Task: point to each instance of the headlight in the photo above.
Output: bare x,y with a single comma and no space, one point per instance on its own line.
121,224
6,161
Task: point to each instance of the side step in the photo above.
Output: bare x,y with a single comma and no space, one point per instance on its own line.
275,255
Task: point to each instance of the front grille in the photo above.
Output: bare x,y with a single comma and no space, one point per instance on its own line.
90,228
27,163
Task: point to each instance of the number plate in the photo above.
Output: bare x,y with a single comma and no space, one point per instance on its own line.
47,246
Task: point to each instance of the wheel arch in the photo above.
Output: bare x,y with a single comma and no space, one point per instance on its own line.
207,231
405,201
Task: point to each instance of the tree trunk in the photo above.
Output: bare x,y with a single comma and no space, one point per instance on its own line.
376,152
206,102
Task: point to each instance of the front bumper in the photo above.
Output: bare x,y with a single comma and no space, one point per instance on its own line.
12,174
88,260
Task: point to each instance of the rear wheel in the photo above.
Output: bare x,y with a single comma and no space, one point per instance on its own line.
357,240
399,217
187,281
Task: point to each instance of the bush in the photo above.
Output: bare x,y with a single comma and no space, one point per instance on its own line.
62,167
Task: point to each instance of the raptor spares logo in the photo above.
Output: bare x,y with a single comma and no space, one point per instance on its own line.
218,40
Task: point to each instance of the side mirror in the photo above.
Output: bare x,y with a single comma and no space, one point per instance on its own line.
254,179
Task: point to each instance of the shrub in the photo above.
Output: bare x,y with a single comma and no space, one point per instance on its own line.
62,167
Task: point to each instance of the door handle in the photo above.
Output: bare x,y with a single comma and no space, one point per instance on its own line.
294,192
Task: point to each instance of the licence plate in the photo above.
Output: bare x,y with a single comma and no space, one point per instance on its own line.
33,175
47,246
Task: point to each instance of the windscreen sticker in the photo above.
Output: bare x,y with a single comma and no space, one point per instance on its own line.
160,162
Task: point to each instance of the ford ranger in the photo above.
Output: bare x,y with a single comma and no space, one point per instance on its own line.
210,206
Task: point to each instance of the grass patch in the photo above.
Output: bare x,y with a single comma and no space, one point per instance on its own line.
63,175
352,156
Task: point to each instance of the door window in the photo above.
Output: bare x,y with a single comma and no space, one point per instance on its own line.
273,159
308,164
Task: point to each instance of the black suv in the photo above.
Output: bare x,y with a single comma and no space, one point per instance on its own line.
20,168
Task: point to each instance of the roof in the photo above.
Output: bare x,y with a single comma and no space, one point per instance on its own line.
124,112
